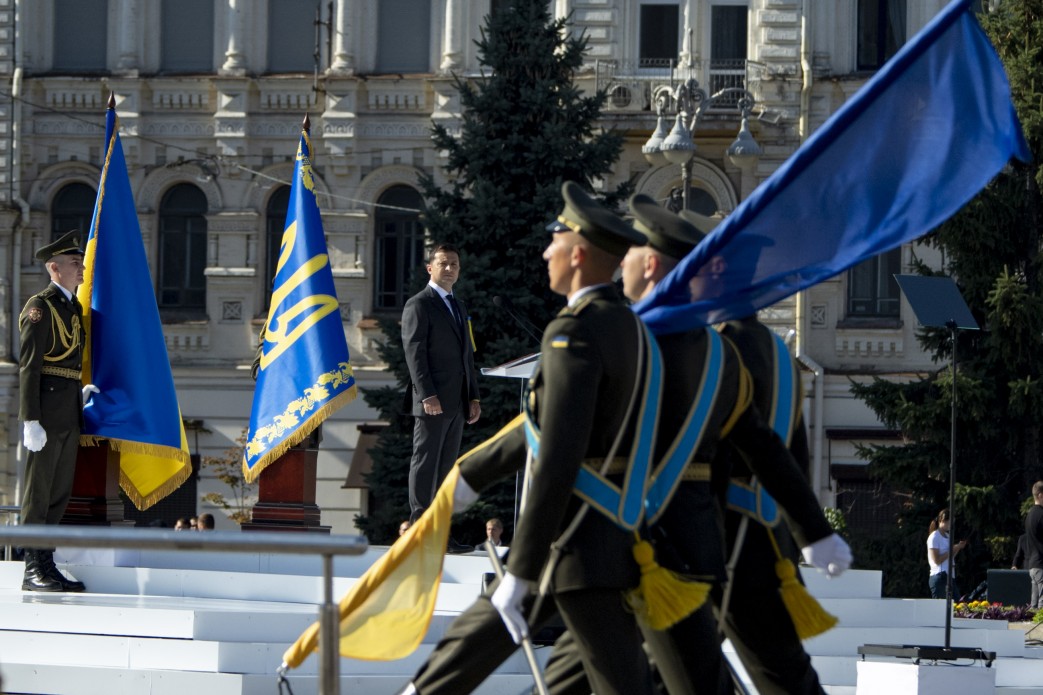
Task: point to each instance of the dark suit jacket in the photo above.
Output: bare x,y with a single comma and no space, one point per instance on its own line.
52,335
440,357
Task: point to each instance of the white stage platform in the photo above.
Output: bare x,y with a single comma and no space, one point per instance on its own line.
213,624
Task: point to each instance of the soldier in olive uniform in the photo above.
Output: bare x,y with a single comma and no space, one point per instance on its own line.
578,401
51,408
762,631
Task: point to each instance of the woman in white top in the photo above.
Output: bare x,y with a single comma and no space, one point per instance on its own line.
938,555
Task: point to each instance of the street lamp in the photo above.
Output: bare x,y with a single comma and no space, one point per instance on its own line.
678,147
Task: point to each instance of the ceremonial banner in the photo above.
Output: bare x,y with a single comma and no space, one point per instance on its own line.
136,410
915,144
304,374
385,615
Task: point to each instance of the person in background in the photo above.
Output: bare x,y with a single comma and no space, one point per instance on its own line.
938,556
494,532
205,522
182,525
1021,554
1034,533
403,527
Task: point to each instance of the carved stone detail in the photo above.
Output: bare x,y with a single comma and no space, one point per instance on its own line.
658,181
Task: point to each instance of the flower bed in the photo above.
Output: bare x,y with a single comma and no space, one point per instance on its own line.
983,610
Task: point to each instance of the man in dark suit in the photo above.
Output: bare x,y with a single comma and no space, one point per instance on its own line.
444,387
51,405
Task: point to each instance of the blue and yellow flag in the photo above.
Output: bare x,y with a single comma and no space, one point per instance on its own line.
915,144
304,375
126,356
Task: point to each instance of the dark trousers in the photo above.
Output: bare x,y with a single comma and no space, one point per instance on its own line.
937,585
48,478
436,444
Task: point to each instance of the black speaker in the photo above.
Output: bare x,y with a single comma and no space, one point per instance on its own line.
1009,587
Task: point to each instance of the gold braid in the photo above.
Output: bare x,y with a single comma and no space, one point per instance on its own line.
70,340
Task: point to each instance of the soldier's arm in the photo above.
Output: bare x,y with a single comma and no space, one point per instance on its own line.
501,455
414,342
35,330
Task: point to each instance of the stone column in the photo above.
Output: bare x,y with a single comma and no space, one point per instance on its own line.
343,39
235,60
127,61
453,36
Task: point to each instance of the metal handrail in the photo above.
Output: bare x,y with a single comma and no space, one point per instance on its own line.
39,535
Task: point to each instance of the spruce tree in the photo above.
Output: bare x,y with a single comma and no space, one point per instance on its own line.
525,129
992,250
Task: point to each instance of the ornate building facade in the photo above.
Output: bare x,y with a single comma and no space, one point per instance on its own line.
211,95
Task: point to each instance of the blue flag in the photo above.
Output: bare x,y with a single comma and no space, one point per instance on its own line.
305,374
136,410
915,144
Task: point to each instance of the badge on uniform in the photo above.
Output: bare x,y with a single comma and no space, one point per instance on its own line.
559,341
34,314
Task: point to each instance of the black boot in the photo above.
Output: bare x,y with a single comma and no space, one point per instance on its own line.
36,577
52,571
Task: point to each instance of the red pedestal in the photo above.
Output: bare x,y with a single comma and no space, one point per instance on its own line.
95,497
286,495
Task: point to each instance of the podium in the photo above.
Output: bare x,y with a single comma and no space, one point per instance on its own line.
521,368
95,499
286,491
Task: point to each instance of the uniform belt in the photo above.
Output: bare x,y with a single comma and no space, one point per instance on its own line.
62,372
697,472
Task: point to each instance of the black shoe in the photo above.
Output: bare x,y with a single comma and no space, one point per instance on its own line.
36,577
52,571
454,548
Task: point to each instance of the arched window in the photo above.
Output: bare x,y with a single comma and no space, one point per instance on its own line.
182,248
72,209
275,222
400,245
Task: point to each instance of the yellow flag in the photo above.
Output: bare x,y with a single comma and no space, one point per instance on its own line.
385,615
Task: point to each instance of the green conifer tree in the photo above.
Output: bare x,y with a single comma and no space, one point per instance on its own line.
525,129
992,250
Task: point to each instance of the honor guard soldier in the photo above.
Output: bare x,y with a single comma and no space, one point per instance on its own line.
51,402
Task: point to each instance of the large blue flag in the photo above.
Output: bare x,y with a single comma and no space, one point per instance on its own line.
915,144
136,410
305,374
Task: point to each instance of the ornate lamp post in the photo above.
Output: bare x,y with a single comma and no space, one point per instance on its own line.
678,147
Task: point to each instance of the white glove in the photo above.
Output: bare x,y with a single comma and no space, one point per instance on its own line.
463,495
507,600
830,554
87,391
33,435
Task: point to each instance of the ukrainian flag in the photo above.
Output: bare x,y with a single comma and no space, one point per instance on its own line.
305,374
136,411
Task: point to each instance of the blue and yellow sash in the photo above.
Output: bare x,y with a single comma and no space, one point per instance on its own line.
750,498
623,506
668,474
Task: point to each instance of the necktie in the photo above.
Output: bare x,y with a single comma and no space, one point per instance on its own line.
456,311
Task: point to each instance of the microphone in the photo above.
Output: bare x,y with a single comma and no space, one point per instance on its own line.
508,306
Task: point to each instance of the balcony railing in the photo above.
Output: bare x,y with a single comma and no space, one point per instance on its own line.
634,86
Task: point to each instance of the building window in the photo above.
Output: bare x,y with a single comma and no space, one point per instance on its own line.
400,245
872,289
728,38
881,31
291,36
186,36
659,34
182,248
72,209
80,35
275,216
403,36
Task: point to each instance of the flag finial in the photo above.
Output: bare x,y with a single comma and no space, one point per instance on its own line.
307,123
112,100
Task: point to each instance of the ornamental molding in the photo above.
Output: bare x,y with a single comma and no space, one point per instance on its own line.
658,182
395,130
56,177
179,128
159,180
267,180
378,181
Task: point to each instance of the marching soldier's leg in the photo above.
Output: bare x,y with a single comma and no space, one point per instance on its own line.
688,655
564,674
608,640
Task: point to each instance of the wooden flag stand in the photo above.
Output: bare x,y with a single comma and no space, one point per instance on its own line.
95,497
286,492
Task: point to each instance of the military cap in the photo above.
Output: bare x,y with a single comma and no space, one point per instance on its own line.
69,243
595,223
666,232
